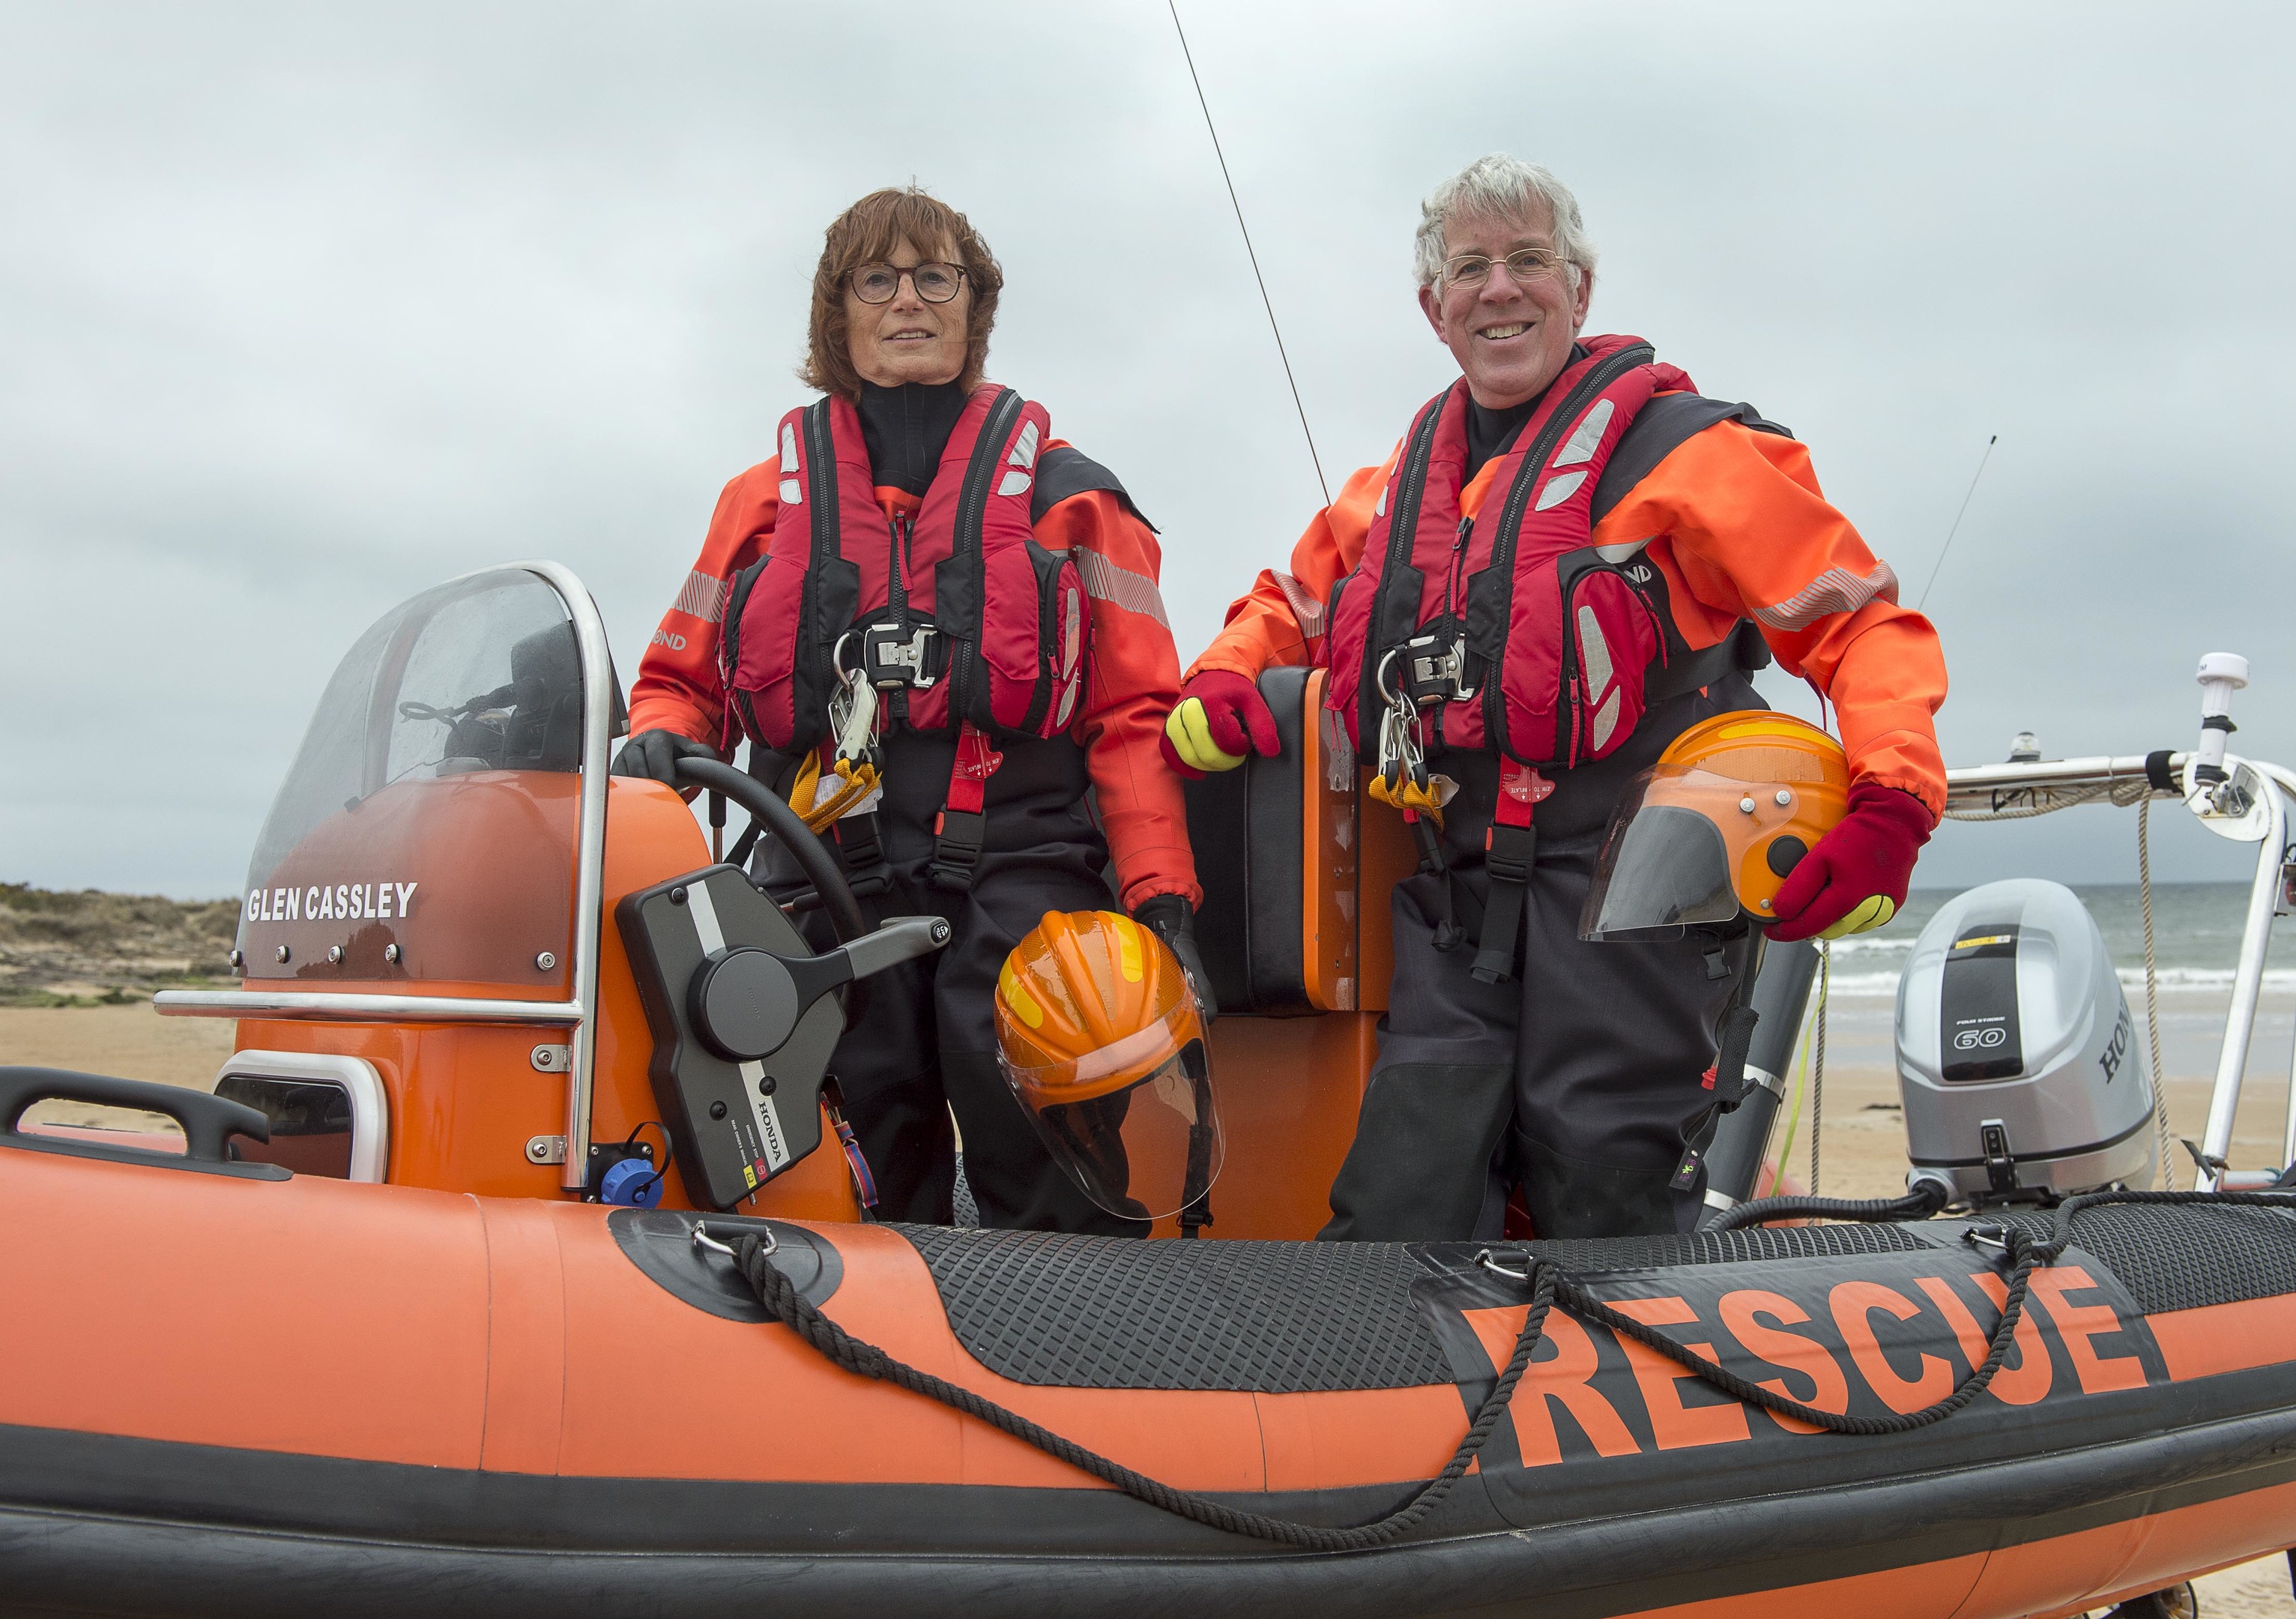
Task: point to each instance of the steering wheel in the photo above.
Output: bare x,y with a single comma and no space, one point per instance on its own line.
822,869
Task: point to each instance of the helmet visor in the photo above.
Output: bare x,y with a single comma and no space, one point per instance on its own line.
1144,1151
1664,866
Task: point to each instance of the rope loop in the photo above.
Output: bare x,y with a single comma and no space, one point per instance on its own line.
1547,1284
781,1300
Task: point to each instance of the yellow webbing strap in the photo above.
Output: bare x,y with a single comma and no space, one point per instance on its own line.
857,781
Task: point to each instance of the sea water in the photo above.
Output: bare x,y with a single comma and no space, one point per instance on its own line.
2196,930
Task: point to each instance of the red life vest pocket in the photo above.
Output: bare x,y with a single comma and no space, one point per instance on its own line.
1036,625
1613,635
770,694
761,625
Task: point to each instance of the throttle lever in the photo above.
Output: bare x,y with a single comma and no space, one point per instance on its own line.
746,1002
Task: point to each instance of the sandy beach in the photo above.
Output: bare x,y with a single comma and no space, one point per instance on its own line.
1862,1154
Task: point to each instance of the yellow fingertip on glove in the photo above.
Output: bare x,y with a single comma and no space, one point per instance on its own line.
1867,916
1189,730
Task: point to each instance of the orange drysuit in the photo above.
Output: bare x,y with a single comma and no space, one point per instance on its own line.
1133,678
1737,525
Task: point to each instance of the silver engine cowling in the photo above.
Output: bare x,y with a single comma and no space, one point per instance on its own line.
2018,1062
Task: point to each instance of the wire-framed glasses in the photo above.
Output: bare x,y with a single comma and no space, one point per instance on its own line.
1524,264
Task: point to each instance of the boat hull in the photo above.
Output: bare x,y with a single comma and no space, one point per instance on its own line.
267,1396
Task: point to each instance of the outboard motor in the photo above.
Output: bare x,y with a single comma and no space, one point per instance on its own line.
2018,1062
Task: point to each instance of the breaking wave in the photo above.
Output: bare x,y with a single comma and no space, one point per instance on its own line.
2185,980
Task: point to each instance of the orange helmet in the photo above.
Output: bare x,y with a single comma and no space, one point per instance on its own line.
1711,831
1099,1034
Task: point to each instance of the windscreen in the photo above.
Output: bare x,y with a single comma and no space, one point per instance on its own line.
427,828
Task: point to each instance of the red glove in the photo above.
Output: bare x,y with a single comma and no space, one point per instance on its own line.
1220,718
1856,878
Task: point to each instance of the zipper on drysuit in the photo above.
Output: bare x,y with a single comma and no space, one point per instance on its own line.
1402,531
1602,375
1452,626
972,506
897,596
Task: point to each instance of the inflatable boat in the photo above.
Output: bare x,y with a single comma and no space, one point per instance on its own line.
504,1270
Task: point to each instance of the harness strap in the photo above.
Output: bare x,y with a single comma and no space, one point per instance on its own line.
861,852
1510,851
1741,650
1726,1079
961,828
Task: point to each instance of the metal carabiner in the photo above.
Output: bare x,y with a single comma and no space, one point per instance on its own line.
853,719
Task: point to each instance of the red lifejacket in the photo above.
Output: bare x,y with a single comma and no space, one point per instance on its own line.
1510,631
959,614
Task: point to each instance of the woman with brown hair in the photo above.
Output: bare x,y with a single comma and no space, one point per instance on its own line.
924,586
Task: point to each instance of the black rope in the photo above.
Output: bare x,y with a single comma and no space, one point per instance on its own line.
2025,1255
786,1304
1923,1201
2074,1206
1548,1287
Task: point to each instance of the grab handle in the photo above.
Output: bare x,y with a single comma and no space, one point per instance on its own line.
209,1121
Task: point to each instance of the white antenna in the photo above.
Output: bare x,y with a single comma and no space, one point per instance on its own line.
1958,517
1173,7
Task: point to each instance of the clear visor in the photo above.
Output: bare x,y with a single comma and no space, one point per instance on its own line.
1664,866
1142,1152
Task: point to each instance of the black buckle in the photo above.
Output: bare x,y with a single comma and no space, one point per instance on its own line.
1510,852
956,849
893,655
862,854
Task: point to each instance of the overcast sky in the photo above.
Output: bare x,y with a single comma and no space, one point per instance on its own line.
304,308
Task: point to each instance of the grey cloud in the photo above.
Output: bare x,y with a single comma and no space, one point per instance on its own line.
305,308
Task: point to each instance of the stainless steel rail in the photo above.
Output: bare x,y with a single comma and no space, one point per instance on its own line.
2248,982
285,1006
2038,786
1992,788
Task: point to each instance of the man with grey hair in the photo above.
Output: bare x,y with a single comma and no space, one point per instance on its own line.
1569,561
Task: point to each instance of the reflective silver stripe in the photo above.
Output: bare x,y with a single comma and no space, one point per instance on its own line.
1835,590
1620,553
1719,1200
1593,652
1606,719
1305,608
704,596
1559,489
1104,582
1767,1081
1582,444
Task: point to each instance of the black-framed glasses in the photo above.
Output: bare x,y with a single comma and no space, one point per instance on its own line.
1473,269
876,284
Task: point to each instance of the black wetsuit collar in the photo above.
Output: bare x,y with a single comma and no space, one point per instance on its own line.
1489,431
906,429
1492,432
